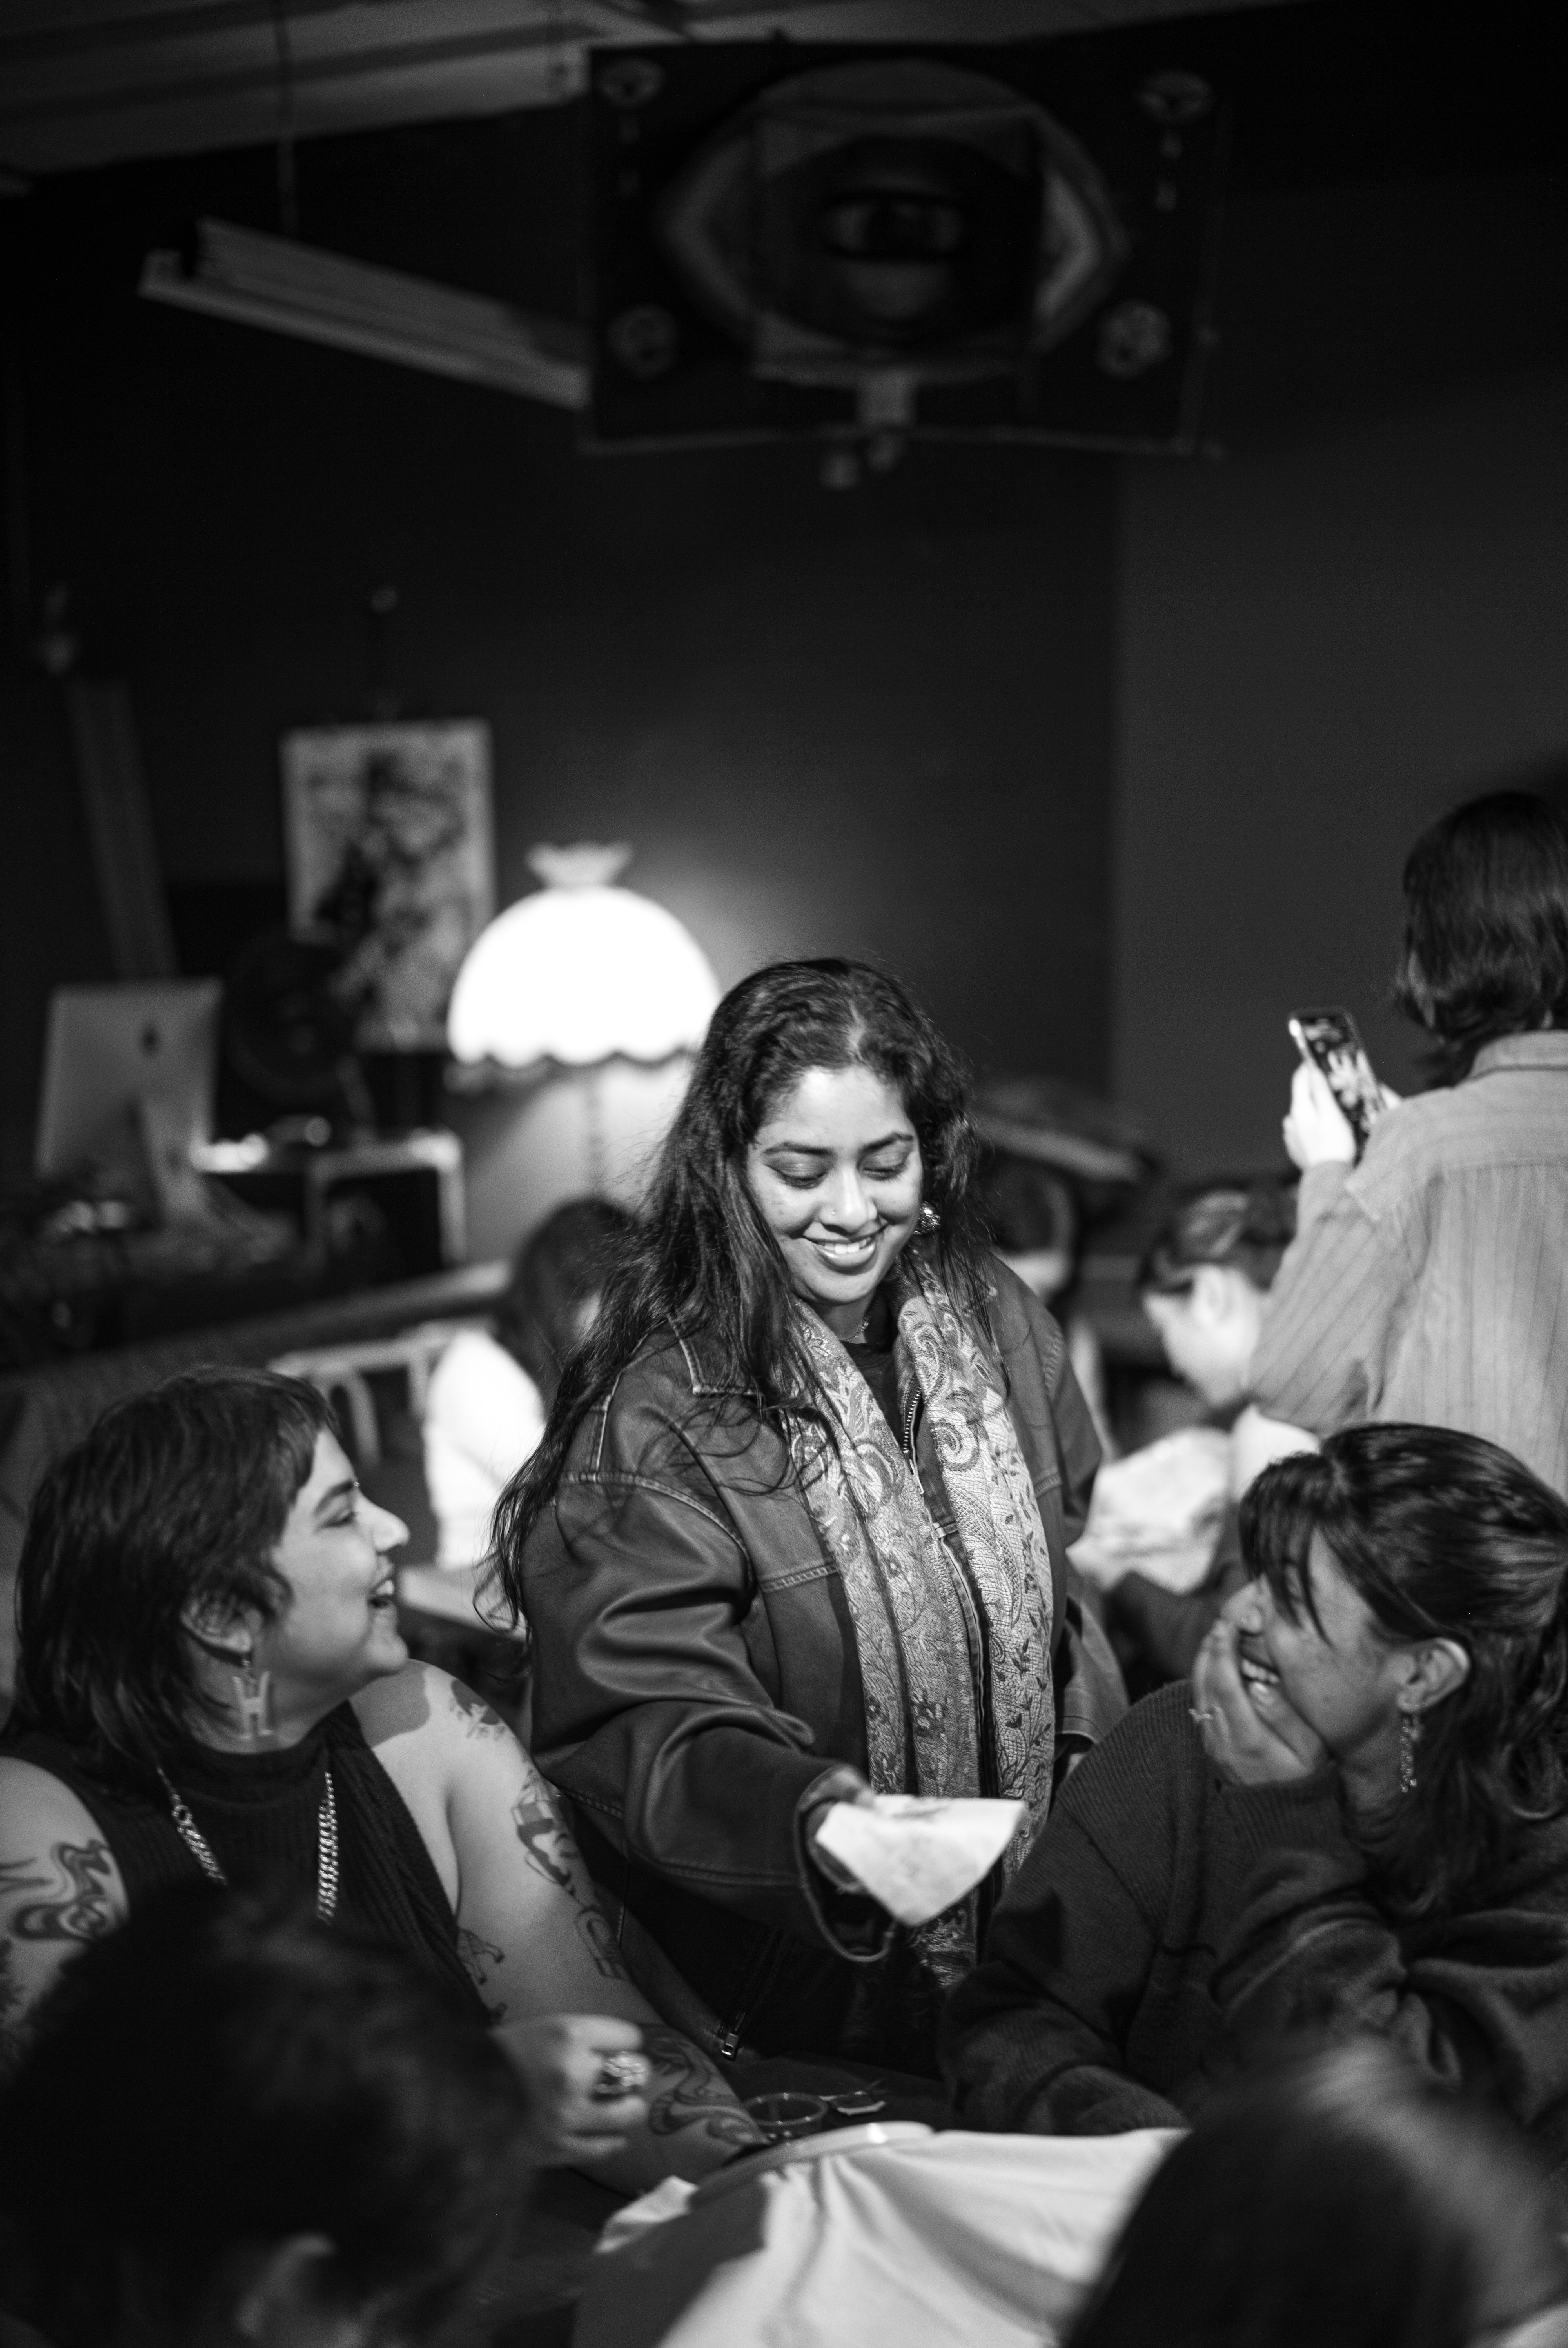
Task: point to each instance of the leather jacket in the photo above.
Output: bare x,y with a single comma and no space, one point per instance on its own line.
697,1688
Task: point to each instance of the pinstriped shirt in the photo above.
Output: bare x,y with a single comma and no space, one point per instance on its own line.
1430,1282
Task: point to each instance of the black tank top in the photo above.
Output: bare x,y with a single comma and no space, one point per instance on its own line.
258,1813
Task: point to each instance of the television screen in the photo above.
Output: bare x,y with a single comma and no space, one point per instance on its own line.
1009,241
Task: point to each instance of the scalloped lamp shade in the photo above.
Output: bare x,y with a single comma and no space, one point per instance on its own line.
579,974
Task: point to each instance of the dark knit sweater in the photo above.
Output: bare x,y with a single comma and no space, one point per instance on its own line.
1167,1928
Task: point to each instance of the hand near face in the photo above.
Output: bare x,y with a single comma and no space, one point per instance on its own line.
560,2059
1251,1733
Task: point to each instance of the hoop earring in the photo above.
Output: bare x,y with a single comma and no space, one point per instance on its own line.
1410,1734
253,1701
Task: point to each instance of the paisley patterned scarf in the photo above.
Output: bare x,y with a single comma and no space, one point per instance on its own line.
954,1635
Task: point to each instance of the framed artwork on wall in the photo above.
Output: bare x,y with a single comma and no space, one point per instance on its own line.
390,853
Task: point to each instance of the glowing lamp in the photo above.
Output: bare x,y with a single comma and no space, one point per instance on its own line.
580,972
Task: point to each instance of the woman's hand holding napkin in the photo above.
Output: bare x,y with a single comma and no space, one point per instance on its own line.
915,1855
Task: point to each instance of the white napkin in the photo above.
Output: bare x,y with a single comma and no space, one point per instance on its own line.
917,1856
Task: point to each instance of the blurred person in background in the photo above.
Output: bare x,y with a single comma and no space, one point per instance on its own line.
1204,1283
1346,2203
213,1684
1427,1283
1058,1161
1352,1821
235,2125
797,1531
489,1395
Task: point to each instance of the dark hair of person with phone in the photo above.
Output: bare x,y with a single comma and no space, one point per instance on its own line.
1484,952
1352,1821
231,2123
1424,1281
1343,2202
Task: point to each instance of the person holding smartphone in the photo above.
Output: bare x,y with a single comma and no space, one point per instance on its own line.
1426,1279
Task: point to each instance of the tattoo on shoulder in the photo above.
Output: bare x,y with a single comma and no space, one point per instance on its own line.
479,1718
549,1852
480,1958
75,1878
687,2092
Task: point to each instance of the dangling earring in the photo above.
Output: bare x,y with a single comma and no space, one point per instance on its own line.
929,1220
1410,1731
252,1699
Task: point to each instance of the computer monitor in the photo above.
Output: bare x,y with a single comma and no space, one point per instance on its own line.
128,1077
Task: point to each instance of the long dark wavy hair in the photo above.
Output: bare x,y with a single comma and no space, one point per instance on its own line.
702,1262
1443,1536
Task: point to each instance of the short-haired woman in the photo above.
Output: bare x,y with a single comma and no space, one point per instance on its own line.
1353,1821
797,1528
233,2124
1427,1282
213,1684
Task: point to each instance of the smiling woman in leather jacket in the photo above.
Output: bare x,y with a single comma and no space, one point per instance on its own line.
797,1530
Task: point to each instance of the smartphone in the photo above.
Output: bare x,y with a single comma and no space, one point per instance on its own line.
1332,1042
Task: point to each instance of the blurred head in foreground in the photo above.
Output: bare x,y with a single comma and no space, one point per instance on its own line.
1341,2203
233,2125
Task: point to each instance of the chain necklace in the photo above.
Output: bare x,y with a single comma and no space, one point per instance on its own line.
202,1852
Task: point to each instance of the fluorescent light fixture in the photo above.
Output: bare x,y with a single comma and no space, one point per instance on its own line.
322,297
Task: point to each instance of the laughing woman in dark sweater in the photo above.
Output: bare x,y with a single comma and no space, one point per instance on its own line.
1353,1822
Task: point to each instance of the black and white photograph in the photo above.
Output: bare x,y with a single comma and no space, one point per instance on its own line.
783,1174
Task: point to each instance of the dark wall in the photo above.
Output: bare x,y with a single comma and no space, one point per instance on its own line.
871,722
1326,642
1349,623
963,716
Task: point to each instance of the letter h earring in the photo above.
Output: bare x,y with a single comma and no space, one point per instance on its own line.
1410,1732
252,1699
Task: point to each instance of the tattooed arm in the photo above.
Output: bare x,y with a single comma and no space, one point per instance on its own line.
59,1889
687,2092
539,1948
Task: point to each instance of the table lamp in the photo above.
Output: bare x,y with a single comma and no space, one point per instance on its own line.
579,974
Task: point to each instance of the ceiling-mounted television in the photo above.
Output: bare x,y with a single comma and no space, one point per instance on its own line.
996,241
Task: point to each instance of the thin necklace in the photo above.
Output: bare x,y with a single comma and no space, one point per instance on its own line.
202,1852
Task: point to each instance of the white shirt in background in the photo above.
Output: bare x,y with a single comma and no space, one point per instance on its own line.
483,1419
1256,1442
